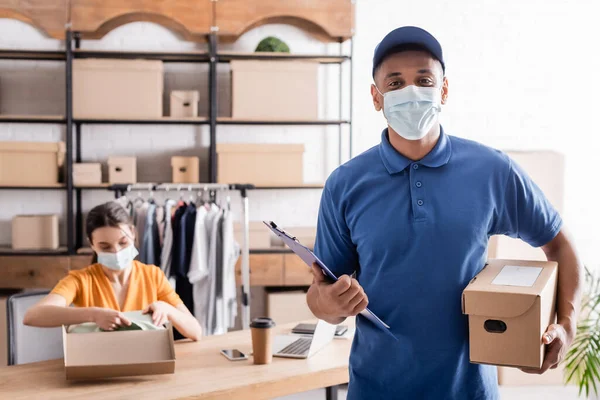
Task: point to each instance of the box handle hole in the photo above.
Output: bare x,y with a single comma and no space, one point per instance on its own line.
182,169
186,104
118,169
494,326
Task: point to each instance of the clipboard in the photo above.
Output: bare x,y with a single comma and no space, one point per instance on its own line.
310,258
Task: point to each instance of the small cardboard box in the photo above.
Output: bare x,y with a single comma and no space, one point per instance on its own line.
88,174
260,236
275,90
115,89
31,163
184,103
122,170
261,164
286,307
35,232
510,304
115,354
185,169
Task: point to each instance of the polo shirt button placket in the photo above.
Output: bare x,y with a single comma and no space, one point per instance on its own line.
418,210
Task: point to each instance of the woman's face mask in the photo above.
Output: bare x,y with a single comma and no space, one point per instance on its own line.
412,111
114,246
120,260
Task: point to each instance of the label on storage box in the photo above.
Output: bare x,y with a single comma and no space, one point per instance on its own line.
514,275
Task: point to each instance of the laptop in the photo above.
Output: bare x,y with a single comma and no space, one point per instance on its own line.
298,346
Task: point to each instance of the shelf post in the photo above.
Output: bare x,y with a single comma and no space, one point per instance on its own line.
212,84
69,140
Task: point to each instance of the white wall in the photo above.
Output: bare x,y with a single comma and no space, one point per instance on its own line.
522,76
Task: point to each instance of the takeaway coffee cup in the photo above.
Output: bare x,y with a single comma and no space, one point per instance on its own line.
262,339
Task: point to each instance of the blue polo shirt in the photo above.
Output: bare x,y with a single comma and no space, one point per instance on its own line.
416,233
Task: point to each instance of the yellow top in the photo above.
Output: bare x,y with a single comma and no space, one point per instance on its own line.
89,287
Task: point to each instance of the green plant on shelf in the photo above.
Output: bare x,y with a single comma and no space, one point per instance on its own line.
272,44
582,362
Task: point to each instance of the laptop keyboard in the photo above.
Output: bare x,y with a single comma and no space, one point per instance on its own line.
298,348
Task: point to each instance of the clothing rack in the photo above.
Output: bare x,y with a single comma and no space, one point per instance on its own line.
122,189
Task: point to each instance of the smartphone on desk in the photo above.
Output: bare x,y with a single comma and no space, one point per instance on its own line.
234,355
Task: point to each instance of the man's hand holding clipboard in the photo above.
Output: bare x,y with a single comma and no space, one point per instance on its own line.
344,296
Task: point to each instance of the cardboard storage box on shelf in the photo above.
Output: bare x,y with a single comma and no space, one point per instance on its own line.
261,164
510,303
116,89
262,90
35,232
305,235
286,307
31,163
185,169
87,174
547,170
184,103
260,236
114,354
122,170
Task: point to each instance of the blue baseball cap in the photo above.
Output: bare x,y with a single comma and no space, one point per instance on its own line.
407,35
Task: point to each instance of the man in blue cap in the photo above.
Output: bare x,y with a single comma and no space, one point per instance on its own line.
410,219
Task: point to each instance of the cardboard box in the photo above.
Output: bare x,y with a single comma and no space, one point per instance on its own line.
185,169
35,232
305,235
115,354
31,163
286,307
117,88
547,169
184,103
261,164
275,90
510,303
260,236
88,174
122,170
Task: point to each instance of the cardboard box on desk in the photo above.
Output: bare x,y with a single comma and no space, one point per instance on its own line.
510,304
115,354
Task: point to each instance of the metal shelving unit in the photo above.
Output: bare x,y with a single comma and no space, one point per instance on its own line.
213,57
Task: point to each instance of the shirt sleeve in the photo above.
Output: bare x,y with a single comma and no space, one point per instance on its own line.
525,212
333,244
165,291
68,287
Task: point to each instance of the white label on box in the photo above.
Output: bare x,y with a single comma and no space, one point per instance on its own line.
513,275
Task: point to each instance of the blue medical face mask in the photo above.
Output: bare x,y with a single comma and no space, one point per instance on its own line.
120,260
412,111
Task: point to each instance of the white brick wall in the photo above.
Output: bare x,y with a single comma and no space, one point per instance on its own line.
522,76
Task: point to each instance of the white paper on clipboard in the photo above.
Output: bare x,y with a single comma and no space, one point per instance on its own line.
310,258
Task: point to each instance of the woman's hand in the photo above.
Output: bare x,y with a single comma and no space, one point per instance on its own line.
108,319
161,312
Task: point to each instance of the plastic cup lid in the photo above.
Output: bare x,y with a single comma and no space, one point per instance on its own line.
262,322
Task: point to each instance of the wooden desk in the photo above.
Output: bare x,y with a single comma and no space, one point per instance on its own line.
200,373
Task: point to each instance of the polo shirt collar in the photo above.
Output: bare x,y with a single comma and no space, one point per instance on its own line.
395,162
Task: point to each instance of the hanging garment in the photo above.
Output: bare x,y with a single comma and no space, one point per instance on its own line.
231,254
182,249
165,258
199,264
212,267
202,296
139,221
148,231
